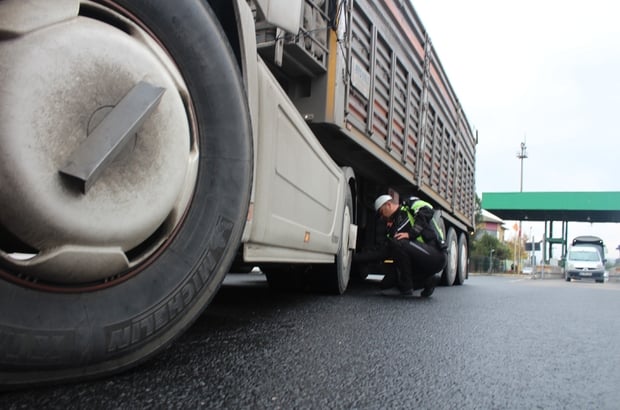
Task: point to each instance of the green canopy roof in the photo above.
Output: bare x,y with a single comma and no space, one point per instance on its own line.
554,206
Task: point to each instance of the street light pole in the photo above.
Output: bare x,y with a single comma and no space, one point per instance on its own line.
531,255
521,155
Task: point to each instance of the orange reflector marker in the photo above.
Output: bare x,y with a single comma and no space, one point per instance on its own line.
307,237
250,212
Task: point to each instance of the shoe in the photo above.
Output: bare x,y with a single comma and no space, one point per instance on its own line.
418,285
394,291
429,286
407,293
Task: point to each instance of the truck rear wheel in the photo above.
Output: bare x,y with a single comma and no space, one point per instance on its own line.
97,275
449,272
463,258
335,278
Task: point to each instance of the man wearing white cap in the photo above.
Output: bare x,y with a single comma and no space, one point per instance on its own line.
416,245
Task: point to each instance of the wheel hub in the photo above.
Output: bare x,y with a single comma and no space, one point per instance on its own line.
64,81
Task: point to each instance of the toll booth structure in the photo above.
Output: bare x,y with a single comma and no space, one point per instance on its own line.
551,207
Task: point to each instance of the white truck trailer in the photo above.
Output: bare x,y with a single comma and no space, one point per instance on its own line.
146,146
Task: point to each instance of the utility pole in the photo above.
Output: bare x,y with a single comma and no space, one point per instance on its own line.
521,155
531,254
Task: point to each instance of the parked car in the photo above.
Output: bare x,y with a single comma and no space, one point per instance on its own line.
527,270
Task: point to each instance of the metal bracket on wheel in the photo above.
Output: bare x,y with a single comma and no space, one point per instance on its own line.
106,141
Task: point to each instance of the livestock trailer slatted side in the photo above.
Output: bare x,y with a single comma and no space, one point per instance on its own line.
400,98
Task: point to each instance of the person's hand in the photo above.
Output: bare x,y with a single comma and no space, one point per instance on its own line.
401,235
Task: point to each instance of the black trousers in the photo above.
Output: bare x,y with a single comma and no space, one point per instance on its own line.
415,262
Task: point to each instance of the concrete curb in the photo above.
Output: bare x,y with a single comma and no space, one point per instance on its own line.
520,276
536,276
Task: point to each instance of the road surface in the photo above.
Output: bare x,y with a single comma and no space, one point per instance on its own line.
495,342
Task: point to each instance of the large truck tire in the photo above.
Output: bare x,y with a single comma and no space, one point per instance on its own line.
335,278
463,261
449,272
115,271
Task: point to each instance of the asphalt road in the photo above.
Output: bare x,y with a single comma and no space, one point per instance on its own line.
494,343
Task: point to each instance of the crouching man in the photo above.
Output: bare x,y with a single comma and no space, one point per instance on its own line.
415,244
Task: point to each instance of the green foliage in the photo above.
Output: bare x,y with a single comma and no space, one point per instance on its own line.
478,210
482,246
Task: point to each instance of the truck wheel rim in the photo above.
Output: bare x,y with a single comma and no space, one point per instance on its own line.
61,236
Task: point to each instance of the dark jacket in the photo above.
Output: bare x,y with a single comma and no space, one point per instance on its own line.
421,230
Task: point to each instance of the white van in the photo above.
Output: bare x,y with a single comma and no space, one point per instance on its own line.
584,262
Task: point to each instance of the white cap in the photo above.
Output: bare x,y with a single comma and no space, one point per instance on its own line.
379,202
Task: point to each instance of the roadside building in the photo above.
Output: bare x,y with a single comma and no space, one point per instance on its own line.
492,225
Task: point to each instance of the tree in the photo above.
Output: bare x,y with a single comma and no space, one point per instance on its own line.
487,249
478,212
485,243
520,249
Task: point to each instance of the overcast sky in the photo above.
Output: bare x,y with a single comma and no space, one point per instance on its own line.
541,71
